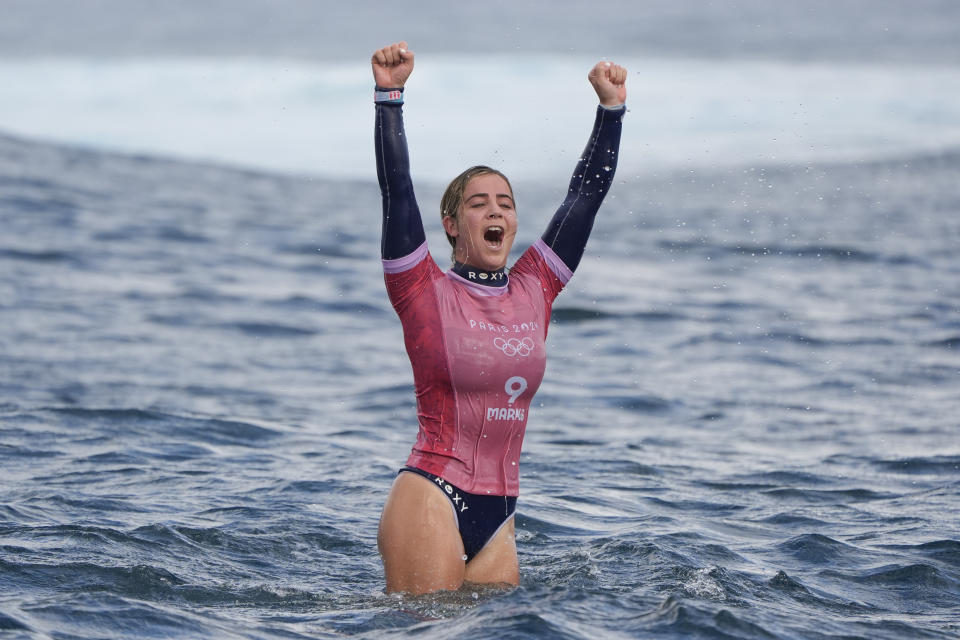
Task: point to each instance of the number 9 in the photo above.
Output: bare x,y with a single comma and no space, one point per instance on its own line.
515,387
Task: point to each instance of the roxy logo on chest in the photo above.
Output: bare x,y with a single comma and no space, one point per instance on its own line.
488,276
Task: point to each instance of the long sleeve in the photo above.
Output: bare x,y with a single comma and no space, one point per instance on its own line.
570,227
402,231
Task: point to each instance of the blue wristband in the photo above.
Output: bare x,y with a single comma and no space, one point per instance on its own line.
388,96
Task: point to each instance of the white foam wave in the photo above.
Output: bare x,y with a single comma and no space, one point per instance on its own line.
527,115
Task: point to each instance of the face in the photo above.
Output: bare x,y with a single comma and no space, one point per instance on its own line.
486,224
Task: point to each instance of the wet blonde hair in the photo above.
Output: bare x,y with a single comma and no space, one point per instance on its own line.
453,196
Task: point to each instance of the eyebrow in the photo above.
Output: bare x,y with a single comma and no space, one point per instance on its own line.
487,195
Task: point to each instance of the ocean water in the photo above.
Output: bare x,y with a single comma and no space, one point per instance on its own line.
749,422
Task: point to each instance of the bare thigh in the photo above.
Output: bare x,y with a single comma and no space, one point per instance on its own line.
418,538
497,562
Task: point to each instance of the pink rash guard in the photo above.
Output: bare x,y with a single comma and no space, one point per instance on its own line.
477,346
478,357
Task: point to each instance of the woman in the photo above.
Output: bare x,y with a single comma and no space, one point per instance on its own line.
475,337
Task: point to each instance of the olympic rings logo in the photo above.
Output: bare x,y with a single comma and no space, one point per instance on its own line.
514,346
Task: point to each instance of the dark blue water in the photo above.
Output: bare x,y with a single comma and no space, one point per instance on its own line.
748,426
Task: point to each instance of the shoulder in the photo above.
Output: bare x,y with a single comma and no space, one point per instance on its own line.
408,278
541,267
541,261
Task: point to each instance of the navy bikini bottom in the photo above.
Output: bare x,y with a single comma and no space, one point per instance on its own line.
479,517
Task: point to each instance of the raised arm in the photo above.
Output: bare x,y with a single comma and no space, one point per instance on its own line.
570,227
402,230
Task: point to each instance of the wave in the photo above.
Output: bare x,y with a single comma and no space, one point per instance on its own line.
909,576
314,118
724,337
793,520
934,465
830,496
951,343
577,315
147,582
808,252
111,415
696,506
40,255
249,328
9,623
816,549
678,617
196,431
13,452
270,329
945,551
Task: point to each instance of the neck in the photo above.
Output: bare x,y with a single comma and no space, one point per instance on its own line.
468,272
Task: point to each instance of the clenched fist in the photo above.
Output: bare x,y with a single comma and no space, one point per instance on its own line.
609,81
392,65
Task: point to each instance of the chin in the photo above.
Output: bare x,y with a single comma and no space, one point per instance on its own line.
500,257
494,263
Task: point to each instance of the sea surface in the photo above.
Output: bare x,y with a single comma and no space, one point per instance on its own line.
749,425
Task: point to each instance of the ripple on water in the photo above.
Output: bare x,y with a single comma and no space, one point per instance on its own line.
946,551
270,329
902,576
828,496
678,617
933,465
10,623
898,587
816,549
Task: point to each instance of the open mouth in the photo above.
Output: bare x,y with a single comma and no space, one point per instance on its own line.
494,236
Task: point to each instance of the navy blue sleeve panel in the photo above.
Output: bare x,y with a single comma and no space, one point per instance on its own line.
570,227
402,229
